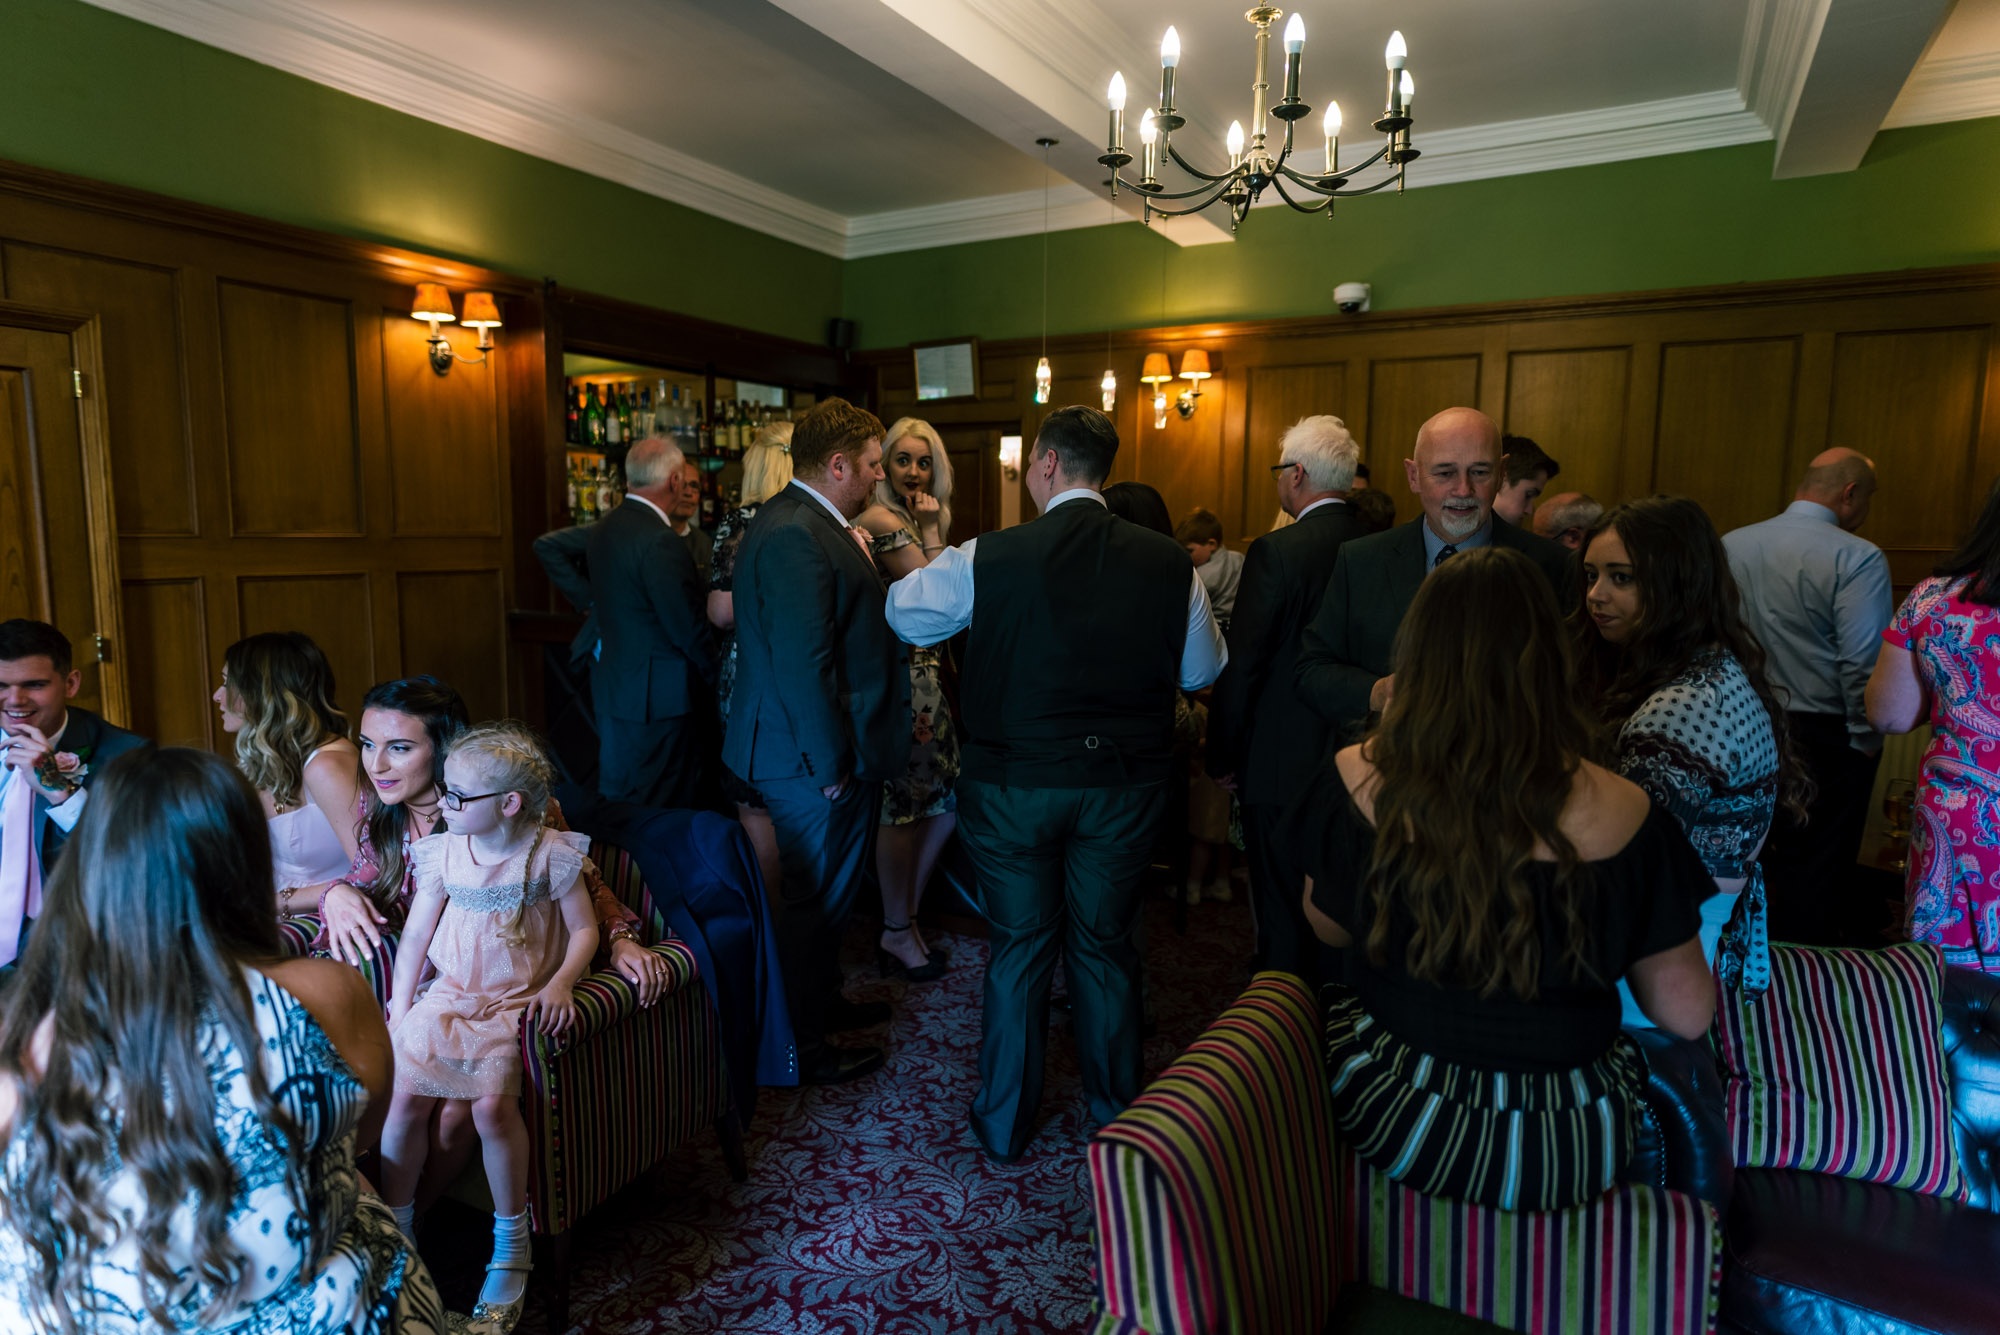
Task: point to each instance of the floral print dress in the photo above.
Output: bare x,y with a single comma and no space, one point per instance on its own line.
1953,886
926,787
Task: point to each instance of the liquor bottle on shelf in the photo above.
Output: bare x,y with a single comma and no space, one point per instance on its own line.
704,431
607,495
575,501
625,415
572,418
642,416
593,419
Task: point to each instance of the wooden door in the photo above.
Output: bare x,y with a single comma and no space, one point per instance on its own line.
58,553
974,452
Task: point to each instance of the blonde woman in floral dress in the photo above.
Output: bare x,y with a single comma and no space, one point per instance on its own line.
907,525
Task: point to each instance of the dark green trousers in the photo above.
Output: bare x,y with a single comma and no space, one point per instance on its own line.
1059,868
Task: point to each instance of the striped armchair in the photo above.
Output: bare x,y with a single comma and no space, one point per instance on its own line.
297,935
1224,1204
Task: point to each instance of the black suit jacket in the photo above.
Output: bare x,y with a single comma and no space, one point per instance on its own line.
95,743
1258,729
658,660
565,555
1350,643
822,684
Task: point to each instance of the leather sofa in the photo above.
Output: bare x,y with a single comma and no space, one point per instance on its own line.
1808,1252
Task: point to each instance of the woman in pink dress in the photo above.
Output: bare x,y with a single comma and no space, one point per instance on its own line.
503,913
1940,660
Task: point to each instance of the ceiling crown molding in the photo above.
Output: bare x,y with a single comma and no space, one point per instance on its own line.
1957,89
984,219
298,39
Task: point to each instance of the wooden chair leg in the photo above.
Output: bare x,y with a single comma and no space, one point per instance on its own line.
731,1136
555,1291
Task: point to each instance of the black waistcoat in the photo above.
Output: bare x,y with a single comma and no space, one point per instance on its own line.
1078,623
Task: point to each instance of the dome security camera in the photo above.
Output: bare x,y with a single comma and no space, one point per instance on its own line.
1352,298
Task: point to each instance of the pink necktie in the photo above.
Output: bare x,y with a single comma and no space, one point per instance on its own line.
863,541
20,865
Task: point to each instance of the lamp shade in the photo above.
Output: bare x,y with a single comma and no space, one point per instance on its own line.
1156,369
480,311
432,303
1194,364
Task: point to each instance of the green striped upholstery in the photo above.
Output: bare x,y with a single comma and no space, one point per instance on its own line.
1212,1189
379,969
629,1085
1224,1205
1641,1260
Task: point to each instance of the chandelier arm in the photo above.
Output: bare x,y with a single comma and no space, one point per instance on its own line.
1175,154
1192,208
1366,190
1349,172
1212,190
1286,195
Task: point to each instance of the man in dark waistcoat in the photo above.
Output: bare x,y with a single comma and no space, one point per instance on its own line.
1083,626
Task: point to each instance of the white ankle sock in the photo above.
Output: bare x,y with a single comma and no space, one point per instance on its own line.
406,1219
511,1242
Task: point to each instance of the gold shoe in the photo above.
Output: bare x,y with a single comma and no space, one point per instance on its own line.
490,1318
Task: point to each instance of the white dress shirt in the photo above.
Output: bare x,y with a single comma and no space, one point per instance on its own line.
934,603
1324,500
825,504
66,815
664,519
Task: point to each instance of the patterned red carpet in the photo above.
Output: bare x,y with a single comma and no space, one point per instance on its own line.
869,1210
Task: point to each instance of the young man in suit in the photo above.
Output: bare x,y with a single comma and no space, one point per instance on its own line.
1261,737
53,752
655,676
1344,658
1083,626
820,715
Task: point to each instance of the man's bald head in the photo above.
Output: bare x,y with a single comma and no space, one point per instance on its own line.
1454,470
1842,480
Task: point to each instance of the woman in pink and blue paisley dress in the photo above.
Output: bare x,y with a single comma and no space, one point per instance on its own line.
1940,659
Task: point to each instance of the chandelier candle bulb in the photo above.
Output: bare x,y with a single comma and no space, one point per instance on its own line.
1295,45
1235,142
1407,94
1149,135
1116,97
1331,124
1170,56
1397,53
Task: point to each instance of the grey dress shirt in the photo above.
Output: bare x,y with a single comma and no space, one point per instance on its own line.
1817,598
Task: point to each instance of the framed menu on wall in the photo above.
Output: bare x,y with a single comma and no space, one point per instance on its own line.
947,369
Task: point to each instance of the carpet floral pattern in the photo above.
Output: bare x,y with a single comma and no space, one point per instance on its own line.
869,1210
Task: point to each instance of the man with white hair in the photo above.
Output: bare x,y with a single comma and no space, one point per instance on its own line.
655,676
1259,734
1568,517
1344,655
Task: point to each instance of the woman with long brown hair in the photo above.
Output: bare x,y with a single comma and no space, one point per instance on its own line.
1684,708
276,698
180,1107
1489,885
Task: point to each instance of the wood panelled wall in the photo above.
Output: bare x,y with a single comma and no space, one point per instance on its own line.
283,457
1721,394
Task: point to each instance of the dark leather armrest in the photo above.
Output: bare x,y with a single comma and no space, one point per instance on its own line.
1972,1052
1683,1137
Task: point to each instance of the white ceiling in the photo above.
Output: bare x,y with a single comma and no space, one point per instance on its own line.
858,127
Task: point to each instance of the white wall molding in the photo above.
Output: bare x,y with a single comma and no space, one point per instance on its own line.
295,37
984,219
1957,89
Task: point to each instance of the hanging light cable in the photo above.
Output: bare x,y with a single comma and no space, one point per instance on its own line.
1042,373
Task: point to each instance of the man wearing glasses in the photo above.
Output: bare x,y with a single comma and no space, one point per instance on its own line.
1261,739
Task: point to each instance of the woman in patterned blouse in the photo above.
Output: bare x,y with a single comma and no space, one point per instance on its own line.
1940,662
1678,683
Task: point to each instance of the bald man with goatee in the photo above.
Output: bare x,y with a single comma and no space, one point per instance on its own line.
1817,597
1343,666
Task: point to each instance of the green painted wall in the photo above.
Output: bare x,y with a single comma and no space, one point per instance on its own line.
98,95
1925,196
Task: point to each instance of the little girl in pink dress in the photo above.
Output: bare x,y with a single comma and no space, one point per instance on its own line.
503,914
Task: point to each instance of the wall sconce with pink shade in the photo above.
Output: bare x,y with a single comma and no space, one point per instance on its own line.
1194,367
1157,372
433,304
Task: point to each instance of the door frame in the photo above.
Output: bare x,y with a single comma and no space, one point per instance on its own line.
86,346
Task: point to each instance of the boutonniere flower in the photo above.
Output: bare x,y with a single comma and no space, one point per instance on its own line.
70,765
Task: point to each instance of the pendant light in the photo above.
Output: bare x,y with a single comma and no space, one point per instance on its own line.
1042,374
1110,382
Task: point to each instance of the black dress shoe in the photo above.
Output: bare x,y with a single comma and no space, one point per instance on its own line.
844,1015
932,969
837,1066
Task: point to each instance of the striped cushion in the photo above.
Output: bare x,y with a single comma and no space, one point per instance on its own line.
1640,1259
297,935
1839,1068
1211,1189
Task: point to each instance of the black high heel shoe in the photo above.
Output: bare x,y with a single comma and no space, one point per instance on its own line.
932,969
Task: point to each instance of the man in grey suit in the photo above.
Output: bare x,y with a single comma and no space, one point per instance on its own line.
820,714
1344,656
1260,735
655,675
